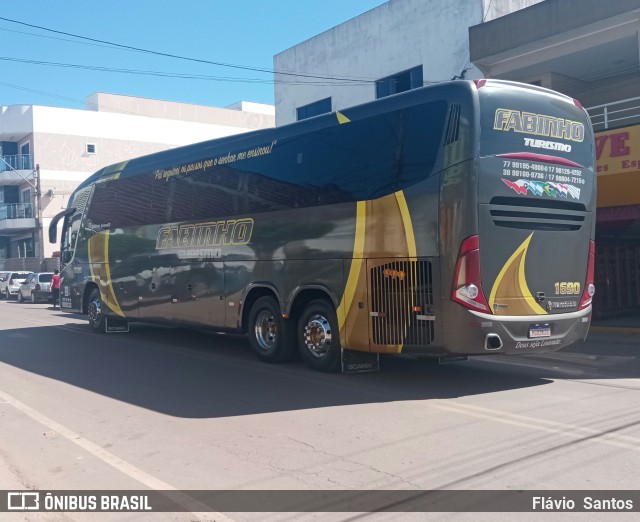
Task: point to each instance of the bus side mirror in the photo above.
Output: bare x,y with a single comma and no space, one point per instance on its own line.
53,234
53,226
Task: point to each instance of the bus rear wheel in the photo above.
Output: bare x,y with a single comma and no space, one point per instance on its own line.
319,337
95,311
270,335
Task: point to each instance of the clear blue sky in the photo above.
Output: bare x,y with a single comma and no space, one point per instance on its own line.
239,32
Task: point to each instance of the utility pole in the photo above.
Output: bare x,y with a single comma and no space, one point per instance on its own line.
39,231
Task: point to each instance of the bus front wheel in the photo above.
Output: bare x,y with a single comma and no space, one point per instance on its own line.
270,335
319,337
95,311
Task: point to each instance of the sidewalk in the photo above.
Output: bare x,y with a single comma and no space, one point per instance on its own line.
618,336
623,324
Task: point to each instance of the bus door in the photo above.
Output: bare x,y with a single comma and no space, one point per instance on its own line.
74,266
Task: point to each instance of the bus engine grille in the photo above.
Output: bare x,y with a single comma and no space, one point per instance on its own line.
401,295
534,214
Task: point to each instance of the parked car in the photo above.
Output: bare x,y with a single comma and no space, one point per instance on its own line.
3,277
36,287
10,285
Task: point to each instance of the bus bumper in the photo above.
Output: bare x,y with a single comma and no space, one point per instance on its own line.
523,334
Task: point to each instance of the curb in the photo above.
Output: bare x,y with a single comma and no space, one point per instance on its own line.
615,329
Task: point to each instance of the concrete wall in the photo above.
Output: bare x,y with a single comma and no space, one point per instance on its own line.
389,39
243,114
547,20
16,121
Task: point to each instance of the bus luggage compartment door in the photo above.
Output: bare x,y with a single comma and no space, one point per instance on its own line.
197,291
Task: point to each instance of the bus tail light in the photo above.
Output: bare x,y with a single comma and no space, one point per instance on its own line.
467,284
589,287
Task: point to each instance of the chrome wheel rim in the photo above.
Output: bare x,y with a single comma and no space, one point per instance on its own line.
266,330
317,335
95,311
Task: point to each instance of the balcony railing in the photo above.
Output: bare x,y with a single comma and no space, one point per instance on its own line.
16,162
615,114
16,211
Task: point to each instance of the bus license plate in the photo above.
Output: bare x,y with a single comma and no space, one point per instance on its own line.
539,330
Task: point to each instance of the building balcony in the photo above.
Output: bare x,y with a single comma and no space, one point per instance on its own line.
15,168
17,217
622,113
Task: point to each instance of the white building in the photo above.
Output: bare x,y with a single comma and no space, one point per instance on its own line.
70,144
394,47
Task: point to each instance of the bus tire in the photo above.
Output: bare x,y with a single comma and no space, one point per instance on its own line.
270,335
95,312
319,337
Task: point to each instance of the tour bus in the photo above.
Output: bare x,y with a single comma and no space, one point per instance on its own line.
447,221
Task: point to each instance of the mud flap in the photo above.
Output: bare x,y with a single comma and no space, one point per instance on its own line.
116,325
359,362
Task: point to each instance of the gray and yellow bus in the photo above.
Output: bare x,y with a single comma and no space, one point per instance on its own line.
450,220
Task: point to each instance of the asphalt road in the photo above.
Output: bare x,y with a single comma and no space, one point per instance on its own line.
172,409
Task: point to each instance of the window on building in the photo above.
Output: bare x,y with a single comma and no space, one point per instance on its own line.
25,209
25,248
91,148
24,158
400,82
314,109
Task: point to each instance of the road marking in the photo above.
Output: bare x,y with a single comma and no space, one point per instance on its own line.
557,428
109,458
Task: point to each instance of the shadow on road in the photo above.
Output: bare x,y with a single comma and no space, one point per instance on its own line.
194,374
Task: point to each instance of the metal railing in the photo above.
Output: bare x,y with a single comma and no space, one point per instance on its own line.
16,162
615,114
16,211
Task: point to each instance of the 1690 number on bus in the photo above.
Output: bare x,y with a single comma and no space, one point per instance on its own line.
567,288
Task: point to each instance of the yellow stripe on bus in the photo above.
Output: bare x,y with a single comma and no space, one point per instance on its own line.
524,288
409,235
516,266
101,271
356,263
408,224
342,118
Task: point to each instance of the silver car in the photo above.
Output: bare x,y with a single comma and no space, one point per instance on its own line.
10,284
4,276
36,287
